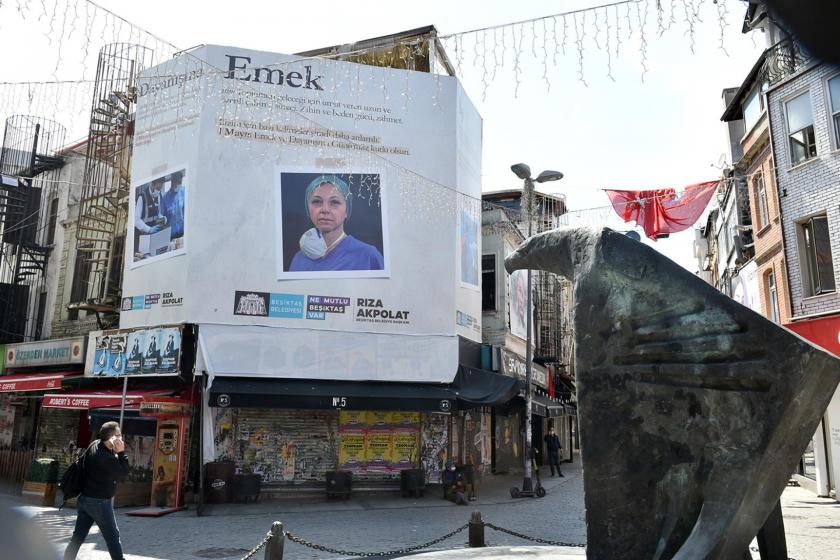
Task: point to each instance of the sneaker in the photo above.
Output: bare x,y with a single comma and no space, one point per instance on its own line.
560,474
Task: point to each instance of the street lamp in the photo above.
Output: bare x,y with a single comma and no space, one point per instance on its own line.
524,172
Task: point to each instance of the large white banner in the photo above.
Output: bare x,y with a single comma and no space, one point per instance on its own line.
309,195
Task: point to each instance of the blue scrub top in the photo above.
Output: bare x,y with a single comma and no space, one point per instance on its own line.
349,254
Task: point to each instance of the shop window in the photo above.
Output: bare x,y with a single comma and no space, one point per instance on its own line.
818,265
488,282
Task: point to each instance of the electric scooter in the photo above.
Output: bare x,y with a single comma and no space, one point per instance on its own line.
538,489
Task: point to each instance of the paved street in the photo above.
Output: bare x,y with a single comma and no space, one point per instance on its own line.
386,522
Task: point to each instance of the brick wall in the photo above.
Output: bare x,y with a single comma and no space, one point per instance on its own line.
769,245
810,188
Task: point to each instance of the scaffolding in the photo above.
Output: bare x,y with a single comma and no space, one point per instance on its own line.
28,207
103,207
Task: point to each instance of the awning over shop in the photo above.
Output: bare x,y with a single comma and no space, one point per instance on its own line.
543,406
472,387
86,399
479,387
298,393
36,381
822,331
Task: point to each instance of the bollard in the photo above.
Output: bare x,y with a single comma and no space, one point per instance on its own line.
274,548
476,530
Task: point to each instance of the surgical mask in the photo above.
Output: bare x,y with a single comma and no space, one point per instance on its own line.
312,244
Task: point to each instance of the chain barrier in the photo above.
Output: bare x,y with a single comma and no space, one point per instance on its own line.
534,539
357,554
257,548
410,549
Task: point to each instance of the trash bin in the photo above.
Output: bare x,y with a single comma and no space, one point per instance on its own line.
246,486
412,482
339,483
41,482
218,481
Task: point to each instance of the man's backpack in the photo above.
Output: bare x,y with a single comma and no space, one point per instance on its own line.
73,478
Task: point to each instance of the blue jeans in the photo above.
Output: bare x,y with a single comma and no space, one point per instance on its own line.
97,510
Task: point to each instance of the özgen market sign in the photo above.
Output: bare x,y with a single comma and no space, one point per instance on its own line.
55,352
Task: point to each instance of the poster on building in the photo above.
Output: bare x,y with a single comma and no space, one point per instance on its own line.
171,339
469,247
134,352
352,452
330,225
134,360
378,441
116,355
342,286
517,303
159,206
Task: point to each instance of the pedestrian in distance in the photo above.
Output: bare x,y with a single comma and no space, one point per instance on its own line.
105,464
552,443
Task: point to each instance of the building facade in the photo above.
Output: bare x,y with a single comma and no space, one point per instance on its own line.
504,330
792,104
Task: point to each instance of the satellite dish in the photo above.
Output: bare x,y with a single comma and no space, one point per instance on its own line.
634,235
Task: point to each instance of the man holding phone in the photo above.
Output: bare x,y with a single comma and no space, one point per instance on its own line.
105,464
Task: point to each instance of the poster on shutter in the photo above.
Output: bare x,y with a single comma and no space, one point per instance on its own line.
405,450
378,420
352,421
409,420
288,454
7,421
434,450
352,452
379,452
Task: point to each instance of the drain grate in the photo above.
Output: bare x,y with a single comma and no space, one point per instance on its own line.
221,552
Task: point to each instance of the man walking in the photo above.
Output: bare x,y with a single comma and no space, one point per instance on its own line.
105,463
552,443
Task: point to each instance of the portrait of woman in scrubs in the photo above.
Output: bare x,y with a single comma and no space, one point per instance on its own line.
327,246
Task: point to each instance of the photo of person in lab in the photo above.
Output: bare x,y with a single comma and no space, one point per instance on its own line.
159,211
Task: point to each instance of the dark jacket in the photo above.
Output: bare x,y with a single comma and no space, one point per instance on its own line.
552,442
103,468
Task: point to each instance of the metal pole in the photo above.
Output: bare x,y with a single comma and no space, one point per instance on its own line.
526,483
122,404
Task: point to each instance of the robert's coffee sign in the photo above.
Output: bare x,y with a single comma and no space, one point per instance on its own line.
55,352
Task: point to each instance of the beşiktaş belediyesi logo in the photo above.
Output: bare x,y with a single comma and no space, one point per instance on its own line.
254,304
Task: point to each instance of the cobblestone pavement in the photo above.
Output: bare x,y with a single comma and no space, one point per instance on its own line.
370,523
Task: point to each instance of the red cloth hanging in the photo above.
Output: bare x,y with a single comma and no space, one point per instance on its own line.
664,210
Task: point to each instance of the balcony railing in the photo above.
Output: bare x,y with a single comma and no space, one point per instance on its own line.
785,59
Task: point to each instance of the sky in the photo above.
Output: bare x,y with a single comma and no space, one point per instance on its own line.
640,127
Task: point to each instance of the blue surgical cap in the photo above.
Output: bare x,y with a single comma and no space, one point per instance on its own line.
339,183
